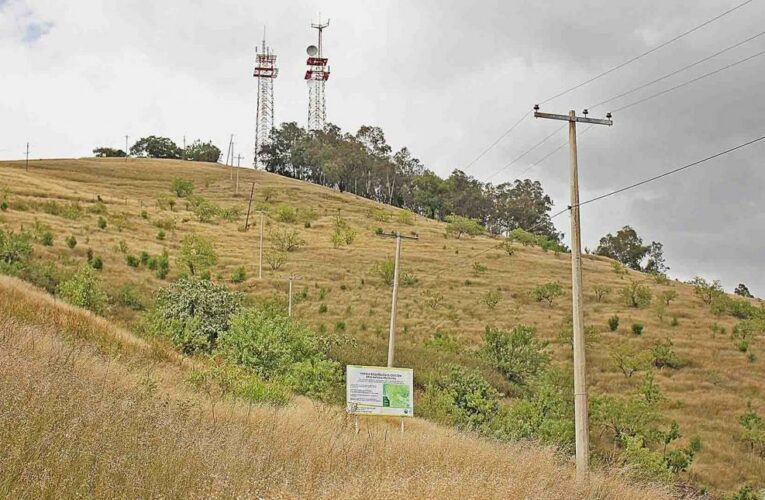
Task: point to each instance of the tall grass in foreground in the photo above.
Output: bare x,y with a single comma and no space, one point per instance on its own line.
75,421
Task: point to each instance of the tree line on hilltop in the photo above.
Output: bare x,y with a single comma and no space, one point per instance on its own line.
163,147
366,165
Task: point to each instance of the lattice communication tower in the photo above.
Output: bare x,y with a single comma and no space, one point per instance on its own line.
316,76
265,71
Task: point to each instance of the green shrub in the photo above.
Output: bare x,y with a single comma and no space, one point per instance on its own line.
491,299
286,214
197,254
378,231
83,289
342,233
526,238
385,270
129,296
96,263
674,322
101,223
637,328
322,308
753,434
230,214
239,275
277,348
144,214
161,235
340,326
668,296
182,187
15,249
479,268
43,274
613,323
517,353
276,259
663,355
472,401
46,238
637,295
132,260
204,209
444,341
705,290
71,242
601,291
456,226
286,240
160,264
547,292
4,206
71,211
194,313
379,214
166,223
408,279
545,415
143,257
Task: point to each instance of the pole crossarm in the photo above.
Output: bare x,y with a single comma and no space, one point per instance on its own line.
580,119
399,235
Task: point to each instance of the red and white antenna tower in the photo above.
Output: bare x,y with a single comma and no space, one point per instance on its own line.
265,72
316,76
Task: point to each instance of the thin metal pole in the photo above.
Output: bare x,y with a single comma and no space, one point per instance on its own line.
289,303
581,424
260,262
27,165
392,333
127,151
238,163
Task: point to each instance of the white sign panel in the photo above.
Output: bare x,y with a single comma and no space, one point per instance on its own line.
375,390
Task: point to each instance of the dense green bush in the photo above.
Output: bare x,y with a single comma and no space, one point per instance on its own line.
132,260
193,313
462,398
637,328
101,223
385,270
239,275
128,295
526,238
753,434
204,209
517,353
545,415
83,289
705,290
15,250
71,242
277,348
613,323
182,187
160,264
286,214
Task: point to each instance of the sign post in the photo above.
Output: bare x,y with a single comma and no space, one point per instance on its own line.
382,391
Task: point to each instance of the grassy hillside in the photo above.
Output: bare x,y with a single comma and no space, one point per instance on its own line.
89,410
450,282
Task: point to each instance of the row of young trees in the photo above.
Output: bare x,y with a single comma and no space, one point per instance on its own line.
366,165
163,147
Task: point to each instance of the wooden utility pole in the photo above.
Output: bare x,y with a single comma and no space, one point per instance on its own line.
27,163
394,301
581,423
291,278
249,206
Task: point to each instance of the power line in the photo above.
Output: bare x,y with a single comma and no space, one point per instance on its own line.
611,70
650,51
564,144
532,148
491,146
674,171
673,73
705,75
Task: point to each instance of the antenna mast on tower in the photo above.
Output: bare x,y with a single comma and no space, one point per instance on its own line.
265,72
316,76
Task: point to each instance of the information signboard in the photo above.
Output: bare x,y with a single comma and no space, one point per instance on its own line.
376,390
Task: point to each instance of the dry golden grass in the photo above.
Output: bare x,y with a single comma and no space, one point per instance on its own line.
76,421
705,397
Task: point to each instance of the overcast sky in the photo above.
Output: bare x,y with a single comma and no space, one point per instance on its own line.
444,79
